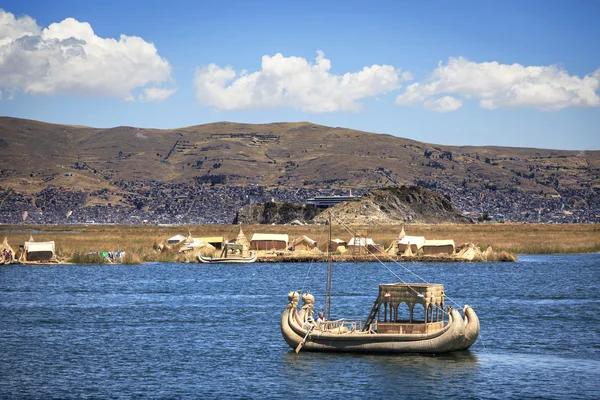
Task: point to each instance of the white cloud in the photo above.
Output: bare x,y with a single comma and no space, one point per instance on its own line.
293,82
155,94
68,57
502,86
443,104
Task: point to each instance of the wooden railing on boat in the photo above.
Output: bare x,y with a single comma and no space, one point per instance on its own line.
344,326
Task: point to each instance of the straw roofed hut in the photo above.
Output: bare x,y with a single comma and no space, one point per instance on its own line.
445,246
269,241
304,243
38,251
415,243
334,245
360,245
393,249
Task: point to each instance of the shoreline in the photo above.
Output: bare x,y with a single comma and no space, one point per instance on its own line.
138,241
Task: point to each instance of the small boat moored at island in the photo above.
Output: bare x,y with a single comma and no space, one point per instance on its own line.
221,260
231,253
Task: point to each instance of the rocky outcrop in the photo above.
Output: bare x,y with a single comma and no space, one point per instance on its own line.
387,206
275,213
398,205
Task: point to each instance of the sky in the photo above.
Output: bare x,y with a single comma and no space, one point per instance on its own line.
502,73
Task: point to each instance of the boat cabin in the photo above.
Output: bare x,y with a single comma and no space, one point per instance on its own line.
408,308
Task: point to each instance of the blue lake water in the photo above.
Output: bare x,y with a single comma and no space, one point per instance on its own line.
212,331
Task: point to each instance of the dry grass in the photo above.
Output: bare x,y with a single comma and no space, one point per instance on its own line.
137,241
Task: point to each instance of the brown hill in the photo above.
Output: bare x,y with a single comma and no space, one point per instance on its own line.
36,155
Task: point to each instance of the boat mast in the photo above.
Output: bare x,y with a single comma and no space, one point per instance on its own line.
329,276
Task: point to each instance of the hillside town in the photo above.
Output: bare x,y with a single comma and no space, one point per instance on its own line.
157,202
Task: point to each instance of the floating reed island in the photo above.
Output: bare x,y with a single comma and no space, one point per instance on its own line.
84,244
274,247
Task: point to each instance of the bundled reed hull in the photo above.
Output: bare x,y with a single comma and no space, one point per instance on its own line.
226,260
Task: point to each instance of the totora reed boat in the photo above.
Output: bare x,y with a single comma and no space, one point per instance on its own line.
221,260
384,331
405,318
231,253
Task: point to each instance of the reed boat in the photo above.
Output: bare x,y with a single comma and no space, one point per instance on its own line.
231,253
221,260
386,330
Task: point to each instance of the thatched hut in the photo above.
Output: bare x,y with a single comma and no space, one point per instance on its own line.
304,243
269,241
445,246
215,241
334,245
415,243
360,245
38,251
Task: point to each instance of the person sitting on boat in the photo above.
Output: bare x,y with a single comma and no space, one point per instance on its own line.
321,318
309,324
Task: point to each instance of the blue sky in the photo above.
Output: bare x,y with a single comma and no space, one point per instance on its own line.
508,73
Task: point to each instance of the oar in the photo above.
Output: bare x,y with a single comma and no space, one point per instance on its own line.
303,340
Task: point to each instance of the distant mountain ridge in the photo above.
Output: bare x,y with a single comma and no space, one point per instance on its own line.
118,165
278,154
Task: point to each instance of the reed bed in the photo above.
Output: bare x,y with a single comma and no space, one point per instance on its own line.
137,241
79,258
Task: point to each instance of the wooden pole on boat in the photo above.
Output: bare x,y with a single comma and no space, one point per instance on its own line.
329,276
299,347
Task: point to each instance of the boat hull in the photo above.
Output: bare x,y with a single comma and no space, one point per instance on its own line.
228,260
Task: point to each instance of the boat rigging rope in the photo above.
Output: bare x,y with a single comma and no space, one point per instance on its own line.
356,235
310,264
